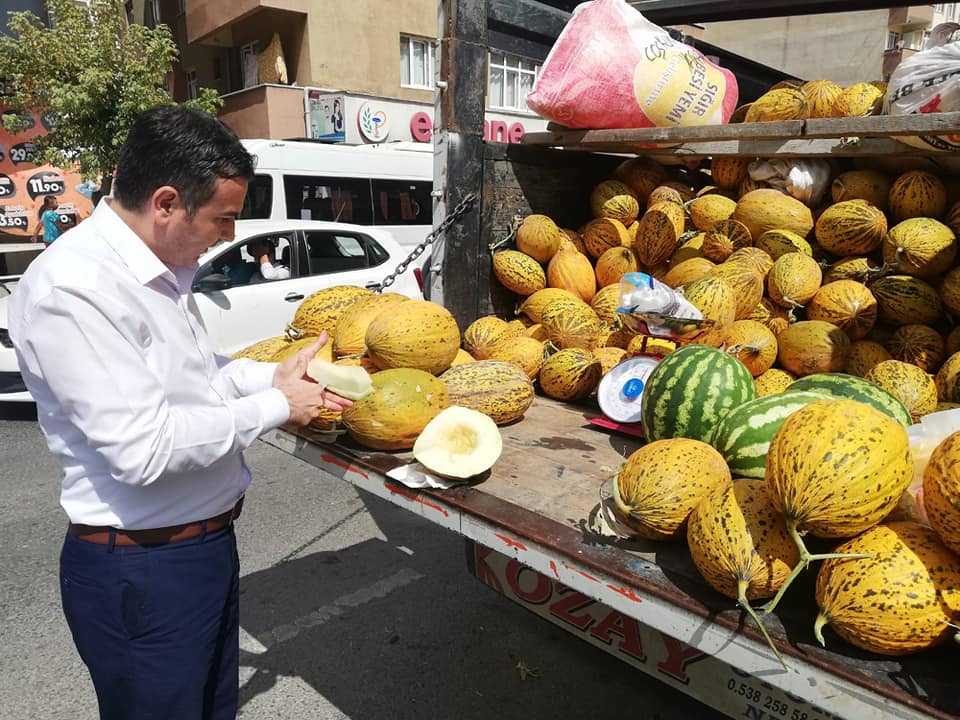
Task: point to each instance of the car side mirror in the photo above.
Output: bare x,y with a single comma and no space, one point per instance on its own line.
212,282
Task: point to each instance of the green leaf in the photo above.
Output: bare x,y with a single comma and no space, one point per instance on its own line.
92,73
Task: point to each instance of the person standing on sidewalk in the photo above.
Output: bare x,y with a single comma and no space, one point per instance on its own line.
49,221
149,424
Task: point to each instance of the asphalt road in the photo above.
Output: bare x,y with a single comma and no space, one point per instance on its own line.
350,608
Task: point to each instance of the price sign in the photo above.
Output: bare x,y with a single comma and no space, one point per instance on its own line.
45,183
47,121
12,222
8,188
22,153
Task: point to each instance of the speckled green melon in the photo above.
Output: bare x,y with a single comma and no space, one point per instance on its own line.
905,300
803,475
518,272
500,390
319,311
911,385
414,334
391,417
835,469
662,482
570,374
739,543
941,491
263,350
851,227
351,326
922,247
901,599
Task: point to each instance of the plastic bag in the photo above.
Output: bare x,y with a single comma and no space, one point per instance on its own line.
928,82
805,180
612,68
650,307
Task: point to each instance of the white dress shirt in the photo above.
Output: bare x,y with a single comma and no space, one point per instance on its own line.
148,423
273,272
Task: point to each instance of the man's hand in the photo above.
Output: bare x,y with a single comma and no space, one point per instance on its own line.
304,395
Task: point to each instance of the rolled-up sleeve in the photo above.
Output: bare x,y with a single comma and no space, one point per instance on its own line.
98,375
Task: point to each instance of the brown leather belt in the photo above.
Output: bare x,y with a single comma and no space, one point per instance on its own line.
100,535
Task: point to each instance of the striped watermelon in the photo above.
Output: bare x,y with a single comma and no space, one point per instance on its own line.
841,385
690,391
744,434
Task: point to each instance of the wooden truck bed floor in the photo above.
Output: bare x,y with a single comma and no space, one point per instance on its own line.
536,505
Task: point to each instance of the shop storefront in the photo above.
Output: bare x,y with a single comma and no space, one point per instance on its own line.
356,120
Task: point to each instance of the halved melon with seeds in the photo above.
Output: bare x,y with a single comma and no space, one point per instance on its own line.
458,443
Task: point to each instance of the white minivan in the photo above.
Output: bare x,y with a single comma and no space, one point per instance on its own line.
387,186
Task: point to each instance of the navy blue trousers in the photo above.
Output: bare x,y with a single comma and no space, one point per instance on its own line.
158,627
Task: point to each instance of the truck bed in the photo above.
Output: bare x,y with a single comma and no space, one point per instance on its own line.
536,507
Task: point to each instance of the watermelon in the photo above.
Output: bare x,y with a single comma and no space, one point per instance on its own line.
841,385
744,434
690,391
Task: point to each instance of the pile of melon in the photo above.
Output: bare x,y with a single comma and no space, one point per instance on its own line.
419,389
791,100
865,284
835,323
744,479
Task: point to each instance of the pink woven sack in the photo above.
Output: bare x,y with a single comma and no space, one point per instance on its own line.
612,68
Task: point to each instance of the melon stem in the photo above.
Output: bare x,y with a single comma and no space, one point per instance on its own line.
822,621
805,559
745,604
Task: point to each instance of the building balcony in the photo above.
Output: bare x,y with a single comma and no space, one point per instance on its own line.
265,111
892,58
902,18
212,22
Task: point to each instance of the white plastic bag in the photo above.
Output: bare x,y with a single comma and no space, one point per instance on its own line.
805,180
928,82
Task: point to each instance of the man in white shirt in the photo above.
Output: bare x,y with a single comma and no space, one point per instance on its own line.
149,424
264,253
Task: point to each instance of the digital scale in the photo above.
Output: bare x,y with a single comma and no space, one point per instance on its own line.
620,393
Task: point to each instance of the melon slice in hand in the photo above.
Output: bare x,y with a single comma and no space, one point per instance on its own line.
349,381
458,443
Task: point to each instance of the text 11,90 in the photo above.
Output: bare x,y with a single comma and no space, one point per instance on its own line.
40,186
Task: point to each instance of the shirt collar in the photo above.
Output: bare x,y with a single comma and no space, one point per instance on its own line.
144,265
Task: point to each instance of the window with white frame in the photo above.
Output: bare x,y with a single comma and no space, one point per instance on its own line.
511,79
249,70
416,62
193,86
913,40
893,39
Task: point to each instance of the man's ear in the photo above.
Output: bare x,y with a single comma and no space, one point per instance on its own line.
164,202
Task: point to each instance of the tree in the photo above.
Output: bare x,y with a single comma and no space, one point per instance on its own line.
89,75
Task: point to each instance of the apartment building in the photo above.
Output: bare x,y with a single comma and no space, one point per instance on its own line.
845,47
356,73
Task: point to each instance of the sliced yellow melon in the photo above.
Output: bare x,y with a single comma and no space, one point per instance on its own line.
350,381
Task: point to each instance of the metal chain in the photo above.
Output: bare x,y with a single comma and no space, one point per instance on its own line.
459,211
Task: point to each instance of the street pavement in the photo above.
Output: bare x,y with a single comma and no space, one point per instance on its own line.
350,608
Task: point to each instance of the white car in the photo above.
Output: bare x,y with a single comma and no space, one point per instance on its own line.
239,307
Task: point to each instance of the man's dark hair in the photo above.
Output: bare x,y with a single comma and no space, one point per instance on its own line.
182,147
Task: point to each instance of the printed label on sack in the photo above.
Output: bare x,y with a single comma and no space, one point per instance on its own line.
678,88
